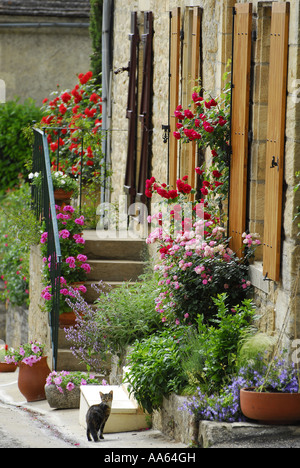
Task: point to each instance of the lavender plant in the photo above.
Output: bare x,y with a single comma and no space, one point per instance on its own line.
87,345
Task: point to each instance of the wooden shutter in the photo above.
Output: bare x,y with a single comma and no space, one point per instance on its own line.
174,90
239,123
275,139
195,71
145,109
131,111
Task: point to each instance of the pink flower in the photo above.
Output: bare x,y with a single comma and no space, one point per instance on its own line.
35,348
44,237
64,233
71,262
80,220
82,258
70,386
58,380
86,267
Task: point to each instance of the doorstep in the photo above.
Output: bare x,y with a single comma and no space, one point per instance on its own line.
126,415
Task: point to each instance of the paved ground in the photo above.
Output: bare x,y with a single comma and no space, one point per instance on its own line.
36,425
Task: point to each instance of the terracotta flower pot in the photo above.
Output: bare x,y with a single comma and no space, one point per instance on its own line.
270,408
62,197
32,379
4,367
67,319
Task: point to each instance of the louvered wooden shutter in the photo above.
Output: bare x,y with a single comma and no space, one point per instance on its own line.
131,112
174,90
195,71
145,109
239,123
275,139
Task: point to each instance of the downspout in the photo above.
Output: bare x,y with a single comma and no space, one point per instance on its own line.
107,50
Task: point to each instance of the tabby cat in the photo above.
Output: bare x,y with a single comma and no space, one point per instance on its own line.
97,416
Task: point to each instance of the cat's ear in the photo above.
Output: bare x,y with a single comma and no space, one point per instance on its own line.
101,394
111,392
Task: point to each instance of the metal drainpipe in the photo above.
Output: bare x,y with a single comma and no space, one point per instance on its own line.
106,65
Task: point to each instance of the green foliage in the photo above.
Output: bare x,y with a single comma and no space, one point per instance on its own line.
156,367
214,348
96,37
127,313
18,231
254,346
15,149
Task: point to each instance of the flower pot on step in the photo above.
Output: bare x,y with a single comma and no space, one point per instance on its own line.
270,408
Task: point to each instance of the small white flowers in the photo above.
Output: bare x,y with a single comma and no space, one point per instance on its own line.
32,175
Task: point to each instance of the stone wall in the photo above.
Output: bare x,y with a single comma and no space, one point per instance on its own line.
35,59
38,323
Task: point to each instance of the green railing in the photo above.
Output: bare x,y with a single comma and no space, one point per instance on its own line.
44,206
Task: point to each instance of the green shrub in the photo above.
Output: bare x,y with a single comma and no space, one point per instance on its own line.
18,231
214,347
127,313
155,367
15,149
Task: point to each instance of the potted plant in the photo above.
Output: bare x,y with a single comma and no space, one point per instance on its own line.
67,316
63,388
33,369
64,186
276,398
4,366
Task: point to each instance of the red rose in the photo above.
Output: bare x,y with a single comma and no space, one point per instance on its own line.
94,98
199,171
62,109
222,121
216,174
207,127
188,114
173,194
65,97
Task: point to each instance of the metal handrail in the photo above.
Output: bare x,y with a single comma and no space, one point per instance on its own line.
44,205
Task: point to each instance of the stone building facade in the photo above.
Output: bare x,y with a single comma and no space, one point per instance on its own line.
278,300
42,45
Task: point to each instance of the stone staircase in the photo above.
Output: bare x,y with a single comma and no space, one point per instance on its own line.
112,261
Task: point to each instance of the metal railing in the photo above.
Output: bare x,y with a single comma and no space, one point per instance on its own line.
44,206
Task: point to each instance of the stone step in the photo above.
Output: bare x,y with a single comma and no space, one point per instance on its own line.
92,294
112,249
68,362
112,261
115,270
126,415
